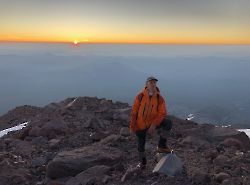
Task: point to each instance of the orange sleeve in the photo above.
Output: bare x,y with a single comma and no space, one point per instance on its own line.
134,112
162,112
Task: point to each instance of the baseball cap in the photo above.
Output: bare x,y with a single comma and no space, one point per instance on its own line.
151,78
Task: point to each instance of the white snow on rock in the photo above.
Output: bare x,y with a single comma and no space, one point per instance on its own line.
15,128
190,117
247,131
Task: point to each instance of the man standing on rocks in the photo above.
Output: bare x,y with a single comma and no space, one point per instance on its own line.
148,115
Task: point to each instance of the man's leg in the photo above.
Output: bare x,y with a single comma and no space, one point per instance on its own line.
141,139
163,131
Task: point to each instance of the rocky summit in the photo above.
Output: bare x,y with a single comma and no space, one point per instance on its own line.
86,140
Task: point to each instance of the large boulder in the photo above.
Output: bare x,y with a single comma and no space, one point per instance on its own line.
232,142
223,133
93,175
70,163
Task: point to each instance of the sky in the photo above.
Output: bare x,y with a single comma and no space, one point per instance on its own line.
126,21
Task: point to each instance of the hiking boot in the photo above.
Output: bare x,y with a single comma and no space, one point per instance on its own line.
163,150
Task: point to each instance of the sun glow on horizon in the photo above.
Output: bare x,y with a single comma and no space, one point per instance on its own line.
164,22
75,42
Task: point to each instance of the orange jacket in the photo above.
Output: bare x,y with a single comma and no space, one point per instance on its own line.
147,111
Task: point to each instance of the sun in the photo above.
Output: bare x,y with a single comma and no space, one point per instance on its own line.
75,42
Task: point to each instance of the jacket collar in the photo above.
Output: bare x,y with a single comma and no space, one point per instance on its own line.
145,91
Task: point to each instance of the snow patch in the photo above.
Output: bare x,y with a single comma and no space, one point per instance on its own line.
15,128
247,131
190,117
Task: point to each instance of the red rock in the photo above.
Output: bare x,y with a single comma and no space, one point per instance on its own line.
232,142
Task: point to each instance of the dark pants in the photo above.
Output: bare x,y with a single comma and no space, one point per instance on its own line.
162,131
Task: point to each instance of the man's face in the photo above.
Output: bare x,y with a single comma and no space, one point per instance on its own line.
151,85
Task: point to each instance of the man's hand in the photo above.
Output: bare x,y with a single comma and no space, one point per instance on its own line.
151,129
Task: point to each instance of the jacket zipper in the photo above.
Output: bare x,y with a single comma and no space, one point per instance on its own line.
147,111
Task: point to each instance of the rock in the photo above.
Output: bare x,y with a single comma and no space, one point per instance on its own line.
192,140
221,160
227,182
4,180
93,175
122,114
237,171
2,156
18,115
55,182
53,128
221,176
2,145
19,179
72,181
222,133
53,143
169,165
109,139
21,134
232,142
12,176
34,131
39,141
200,177
130,173
39,161
232,181
97,136
8,141
106,178
244,139
246,180
23,148
124,131
159,156
70,163
211,154
57,134
94,123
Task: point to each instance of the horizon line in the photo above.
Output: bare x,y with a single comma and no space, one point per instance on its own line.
144,43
